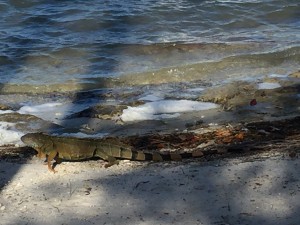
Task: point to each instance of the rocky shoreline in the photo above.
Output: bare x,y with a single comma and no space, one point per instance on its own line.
239,101
247,174
220,142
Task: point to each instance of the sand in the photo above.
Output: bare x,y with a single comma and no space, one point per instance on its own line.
263,188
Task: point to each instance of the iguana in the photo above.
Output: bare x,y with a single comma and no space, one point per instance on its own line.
71,148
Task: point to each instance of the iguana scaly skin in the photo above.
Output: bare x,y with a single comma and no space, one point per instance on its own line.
108,149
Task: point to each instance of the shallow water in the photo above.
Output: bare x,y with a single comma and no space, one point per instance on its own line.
71,41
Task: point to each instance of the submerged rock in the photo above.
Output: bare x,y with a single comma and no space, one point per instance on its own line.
239,96
295,74
17,117
105,112
5,107
230,95
26,122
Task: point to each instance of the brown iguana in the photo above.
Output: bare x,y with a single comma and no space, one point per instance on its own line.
108,149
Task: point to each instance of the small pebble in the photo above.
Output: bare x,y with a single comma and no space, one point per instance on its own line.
2,208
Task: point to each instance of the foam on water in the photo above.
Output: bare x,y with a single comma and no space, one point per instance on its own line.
6,111
164,109
53,111
198,89
278,75
47,111
39,109
9,134
267,85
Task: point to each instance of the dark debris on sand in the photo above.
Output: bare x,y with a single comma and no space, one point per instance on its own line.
226,141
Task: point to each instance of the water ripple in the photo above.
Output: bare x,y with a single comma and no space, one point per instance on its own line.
80,39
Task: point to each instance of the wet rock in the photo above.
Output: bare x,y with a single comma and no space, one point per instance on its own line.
105,112
230,95
222,94
194,125
16,117
295,74
5,107
239,95
26,122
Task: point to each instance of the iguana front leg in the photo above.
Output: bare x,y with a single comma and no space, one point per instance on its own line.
47,150
40,154
110,159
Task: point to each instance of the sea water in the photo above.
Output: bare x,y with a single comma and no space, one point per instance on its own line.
64,46
67,42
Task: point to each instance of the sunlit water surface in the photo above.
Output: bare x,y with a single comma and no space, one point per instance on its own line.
141,42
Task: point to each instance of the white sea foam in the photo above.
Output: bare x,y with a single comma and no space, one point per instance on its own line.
6,111
9,135
164,109
47,111
267,85
198,89
38,109
274,75
52,111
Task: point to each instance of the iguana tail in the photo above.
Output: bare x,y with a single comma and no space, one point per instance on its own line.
127,153
155,156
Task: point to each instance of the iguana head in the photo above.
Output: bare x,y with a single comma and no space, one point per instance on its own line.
34,140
